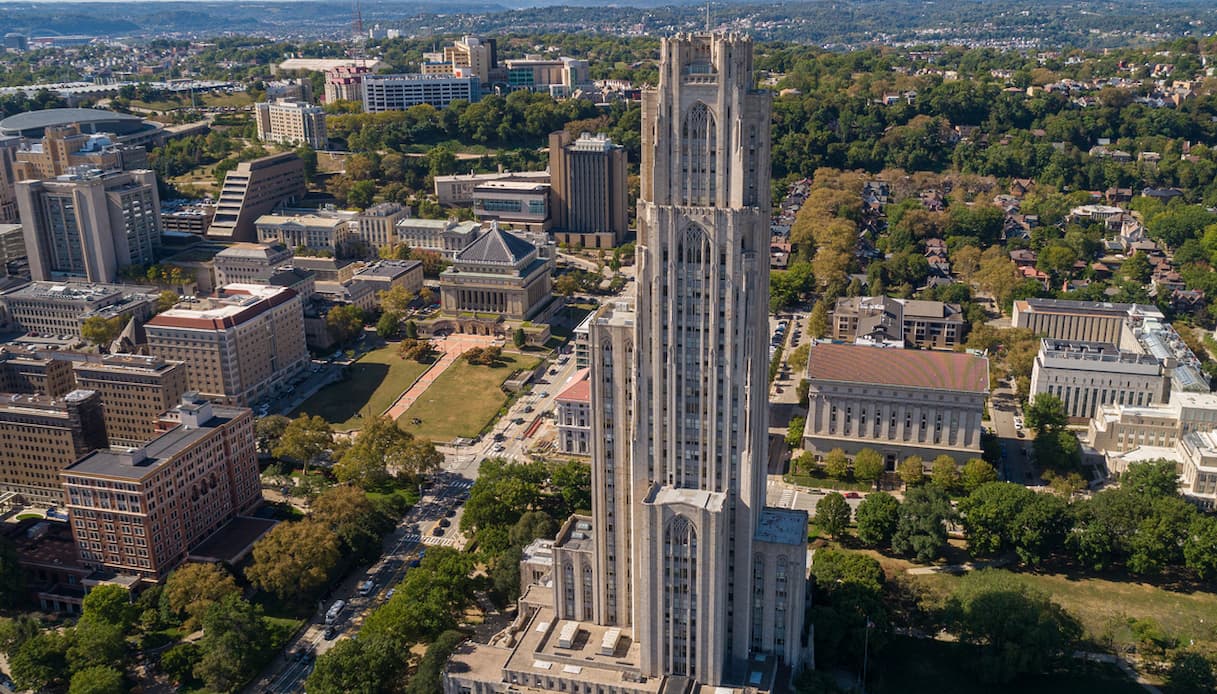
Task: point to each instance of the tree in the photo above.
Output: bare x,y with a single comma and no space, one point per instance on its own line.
96,643
833,568
294,560
519,338
166,300
179,661
1040,528
1046,413
1191,672
1159,538
836,464
1151,479
1057,450
98,679
988,515
16,631
269,430
234,641
566,285
395,299
944,472
1200,548
921,530
832,514
194,587
363,666
868,465
428,677
428,601
817,322
388,325
382,450
344,322
1013,628
412,330
877,517
39,660
794,433
109,604
351,515
421,351
573,480
304,439
911,470
977,472
102,331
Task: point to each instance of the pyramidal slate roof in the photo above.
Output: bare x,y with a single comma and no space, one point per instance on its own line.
497,247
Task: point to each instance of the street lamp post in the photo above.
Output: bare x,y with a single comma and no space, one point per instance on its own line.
865,650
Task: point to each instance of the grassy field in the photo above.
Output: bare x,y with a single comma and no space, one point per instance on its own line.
463,400
371,385
913,666
1104,605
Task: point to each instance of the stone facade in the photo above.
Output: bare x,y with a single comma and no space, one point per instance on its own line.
897,402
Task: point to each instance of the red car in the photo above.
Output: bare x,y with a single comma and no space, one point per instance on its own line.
853,495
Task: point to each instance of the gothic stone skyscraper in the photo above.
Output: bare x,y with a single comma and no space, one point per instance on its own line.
680,571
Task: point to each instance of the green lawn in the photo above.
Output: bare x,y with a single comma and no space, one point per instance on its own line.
1105,606
372,384
915,666
463,400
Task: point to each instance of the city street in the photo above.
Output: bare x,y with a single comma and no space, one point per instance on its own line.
1016,459
414,533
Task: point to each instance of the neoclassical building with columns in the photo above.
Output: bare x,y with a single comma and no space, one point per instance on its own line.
899,402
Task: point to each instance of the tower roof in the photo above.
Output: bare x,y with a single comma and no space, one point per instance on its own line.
497,247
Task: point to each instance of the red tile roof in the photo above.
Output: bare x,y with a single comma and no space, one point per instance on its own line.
899,367
580,388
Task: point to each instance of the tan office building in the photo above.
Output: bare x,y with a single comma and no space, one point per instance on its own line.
253,189
923,324
444,236
587,190
140,511
90,226
61,309
239,346
288,121
64,147
135,390
40,436
329,233
250,262
376,226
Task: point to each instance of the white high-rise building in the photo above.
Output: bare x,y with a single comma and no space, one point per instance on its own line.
680,575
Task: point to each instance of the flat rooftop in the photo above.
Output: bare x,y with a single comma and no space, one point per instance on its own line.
388,269
696,498
782,526
123,464
85,292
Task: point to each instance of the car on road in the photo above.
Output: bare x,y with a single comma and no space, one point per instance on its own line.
452,512
499,436
528,408
330,632
852,495
391,592
438,531
497,448
367,587
517,421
